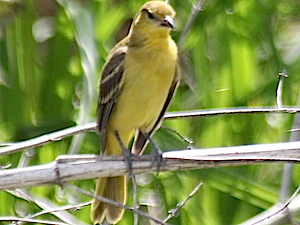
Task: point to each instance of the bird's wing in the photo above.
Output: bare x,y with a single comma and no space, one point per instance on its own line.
110,84
141,141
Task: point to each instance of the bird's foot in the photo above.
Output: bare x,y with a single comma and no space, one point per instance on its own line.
156,154
126,153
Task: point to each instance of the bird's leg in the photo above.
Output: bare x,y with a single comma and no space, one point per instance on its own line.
126,153
156,154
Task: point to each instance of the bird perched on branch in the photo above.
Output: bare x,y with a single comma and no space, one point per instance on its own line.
137,83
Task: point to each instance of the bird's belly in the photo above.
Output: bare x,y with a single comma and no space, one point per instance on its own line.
142,96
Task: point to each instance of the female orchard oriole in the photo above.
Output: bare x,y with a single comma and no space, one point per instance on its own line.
137,83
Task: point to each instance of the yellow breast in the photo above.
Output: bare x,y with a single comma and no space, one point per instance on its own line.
148,76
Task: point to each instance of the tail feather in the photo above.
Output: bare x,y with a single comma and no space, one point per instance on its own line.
98,207
113,188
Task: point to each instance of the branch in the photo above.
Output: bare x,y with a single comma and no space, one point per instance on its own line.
198,113
194,13
47,138
282,75
82,167
175,212
59,135
106,200
17,220
278,213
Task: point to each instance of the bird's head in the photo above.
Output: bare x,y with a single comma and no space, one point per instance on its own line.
154,18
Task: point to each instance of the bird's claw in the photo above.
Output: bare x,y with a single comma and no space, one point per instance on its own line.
158,158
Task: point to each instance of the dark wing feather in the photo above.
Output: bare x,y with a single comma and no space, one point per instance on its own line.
141,141
110,84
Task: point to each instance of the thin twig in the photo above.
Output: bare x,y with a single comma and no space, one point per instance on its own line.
293,130
26,155
282,208
175,212
189,141
195,10
46,205
282,75
135,199
47,138
287,171
229,111
59,135
288,167
15,220
63,208
114,203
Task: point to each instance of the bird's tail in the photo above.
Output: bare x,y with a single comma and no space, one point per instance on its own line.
113,188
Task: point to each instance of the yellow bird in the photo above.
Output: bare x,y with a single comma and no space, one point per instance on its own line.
137,83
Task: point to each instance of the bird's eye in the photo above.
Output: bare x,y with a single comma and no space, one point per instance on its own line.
150,15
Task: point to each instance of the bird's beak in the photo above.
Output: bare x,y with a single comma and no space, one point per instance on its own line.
168,22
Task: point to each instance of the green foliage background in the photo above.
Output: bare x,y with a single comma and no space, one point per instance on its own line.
51,54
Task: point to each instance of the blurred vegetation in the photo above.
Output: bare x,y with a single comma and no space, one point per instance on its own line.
51,54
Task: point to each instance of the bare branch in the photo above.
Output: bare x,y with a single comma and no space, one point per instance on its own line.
62,208
82,167
195,10
59,135
14,220
175,212
198,113
47,138
190,142
49,206
115,203
284,207
282,75
135,199
278,213
288,167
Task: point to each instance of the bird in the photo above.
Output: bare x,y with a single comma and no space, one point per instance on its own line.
138,80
